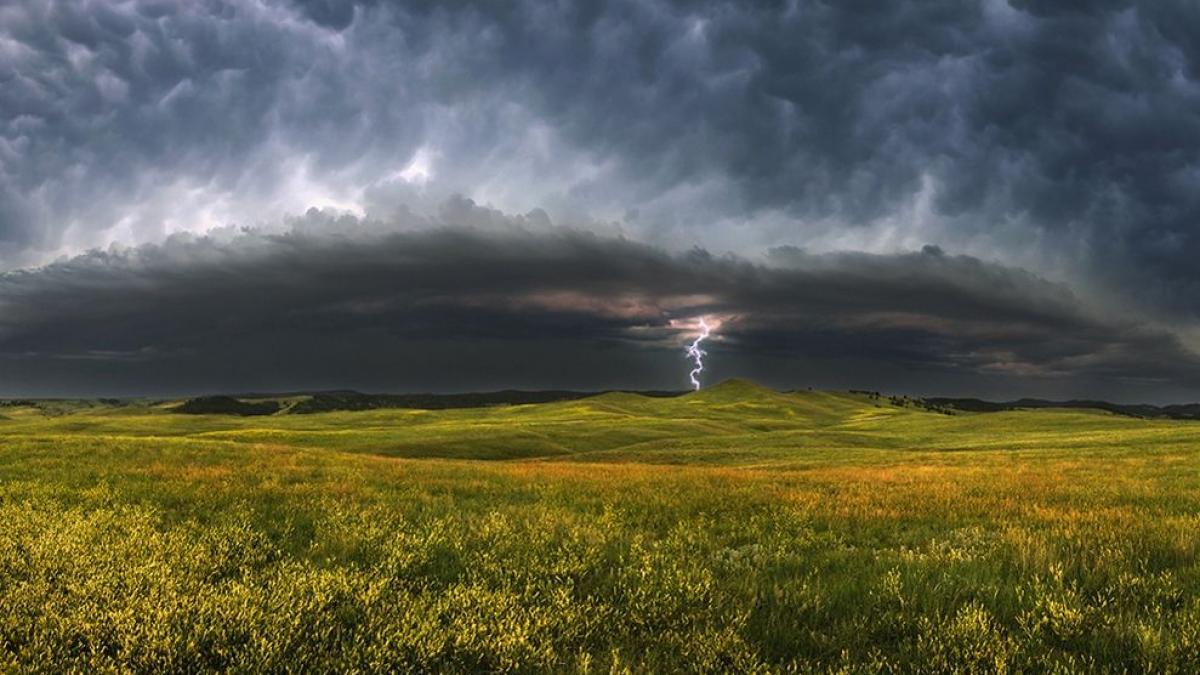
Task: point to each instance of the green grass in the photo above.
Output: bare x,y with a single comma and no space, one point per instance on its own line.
736,529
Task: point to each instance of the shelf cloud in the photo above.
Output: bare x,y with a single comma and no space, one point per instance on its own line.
371,303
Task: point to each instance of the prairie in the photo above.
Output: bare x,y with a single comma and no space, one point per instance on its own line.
736,529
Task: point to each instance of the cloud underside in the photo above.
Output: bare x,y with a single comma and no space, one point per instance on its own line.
528,304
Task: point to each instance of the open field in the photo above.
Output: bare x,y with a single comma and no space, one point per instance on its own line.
737,529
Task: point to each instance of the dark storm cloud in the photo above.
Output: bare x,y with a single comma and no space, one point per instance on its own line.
519,301
109,109
1062,138
1063,135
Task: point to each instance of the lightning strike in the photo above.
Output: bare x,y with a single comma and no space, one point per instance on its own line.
697,355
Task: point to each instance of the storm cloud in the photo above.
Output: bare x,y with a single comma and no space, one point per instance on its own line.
520,301
970,196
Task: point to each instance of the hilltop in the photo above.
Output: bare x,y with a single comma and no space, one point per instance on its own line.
735,390
734,422
318,402
1186,411
731,391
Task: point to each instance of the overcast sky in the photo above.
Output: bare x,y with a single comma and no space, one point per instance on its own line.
964,198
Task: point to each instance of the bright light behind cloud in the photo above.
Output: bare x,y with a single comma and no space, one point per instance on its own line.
420,169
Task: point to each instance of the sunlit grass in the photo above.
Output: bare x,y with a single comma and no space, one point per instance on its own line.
733,531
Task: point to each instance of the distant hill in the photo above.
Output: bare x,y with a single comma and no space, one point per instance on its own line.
352,400
329,401
65,406
1189,411
227,405
736,390
729,392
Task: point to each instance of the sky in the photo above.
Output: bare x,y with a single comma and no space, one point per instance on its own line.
990,198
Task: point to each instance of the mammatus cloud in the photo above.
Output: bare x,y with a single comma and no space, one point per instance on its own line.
518,301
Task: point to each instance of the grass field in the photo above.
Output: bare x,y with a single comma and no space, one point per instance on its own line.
736,529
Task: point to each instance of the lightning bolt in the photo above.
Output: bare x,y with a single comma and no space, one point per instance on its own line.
697,355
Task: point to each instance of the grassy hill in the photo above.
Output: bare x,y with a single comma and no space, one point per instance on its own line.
732,529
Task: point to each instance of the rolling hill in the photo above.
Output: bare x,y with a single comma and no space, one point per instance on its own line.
734,422
734,529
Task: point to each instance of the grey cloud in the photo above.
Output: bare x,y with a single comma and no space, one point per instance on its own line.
516,300
1062,138
111,107
1050,133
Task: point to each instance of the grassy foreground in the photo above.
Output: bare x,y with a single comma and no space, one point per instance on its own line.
736,529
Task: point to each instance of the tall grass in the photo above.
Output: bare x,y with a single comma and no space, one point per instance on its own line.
139,541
